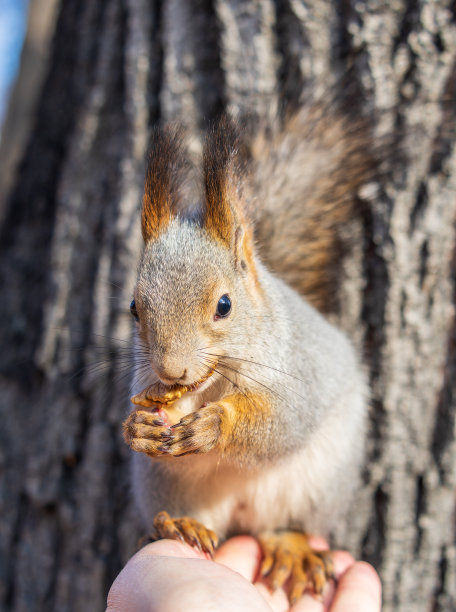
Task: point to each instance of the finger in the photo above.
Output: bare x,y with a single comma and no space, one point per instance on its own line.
308,603
169,548
277,600
318,543
342,561
168,575
241,554
359,590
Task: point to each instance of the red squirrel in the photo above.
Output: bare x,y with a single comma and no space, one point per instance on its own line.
250,407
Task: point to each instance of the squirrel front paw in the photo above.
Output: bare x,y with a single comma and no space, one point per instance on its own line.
146,432
197,432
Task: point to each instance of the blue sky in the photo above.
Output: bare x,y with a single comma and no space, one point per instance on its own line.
13,15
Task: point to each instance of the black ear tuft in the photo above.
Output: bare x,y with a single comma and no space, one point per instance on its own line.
166,170
222,172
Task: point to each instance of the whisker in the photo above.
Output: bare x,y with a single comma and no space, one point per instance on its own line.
96,368
236,386
253,379
224,364
221,357
109,337
110,282
263,365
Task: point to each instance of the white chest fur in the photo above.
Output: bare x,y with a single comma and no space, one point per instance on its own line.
306,490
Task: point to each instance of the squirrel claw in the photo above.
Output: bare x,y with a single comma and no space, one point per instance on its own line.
164,450
288,558
158,422
166,435
197,432
145,433
185,529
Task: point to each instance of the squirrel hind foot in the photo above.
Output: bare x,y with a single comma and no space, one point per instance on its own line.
289,561
185,529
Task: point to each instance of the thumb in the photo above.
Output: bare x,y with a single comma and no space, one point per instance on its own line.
359,590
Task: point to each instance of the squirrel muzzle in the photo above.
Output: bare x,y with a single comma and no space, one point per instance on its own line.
158,393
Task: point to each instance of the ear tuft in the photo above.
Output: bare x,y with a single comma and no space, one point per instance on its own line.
166,170
221,175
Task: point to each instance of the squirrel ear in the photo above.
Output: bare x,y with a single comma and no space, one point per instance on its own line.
221,175
165,167
244,260
224,216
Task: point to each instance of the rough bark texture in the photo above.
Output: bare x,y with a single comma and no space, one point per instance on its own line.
70,240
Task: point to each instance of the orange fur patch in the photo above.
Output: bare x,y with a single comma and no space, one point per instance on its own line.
242,412
166,170
219,166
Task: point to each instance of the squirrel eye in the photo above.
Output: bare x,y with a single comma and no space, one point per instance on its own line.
133,310
223,307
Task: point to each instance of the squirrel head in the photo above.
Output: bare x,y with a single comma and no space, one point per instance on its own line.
197,286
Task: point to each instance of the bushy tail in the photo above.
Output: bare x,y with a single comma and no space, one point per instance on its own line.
302,190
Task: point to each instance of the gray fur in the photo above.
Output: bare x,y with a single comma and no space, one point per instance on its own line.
307,468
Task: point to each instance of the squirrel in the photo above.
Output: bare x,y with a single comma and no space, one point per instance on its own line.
250,407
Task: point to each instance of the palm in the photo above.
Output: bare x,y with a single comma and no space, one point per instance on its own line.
168,575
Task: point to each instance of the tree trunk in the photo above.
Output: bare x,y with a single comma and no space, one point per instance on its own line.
70,241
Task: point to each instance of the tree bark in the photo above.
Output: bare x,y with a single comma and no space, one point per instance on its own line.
70,242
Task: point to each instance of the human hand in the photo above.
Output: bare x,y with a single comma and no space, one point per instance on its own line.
169,576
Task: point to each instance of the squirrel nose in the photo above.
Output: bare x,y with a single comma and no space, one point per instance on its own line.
168,377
